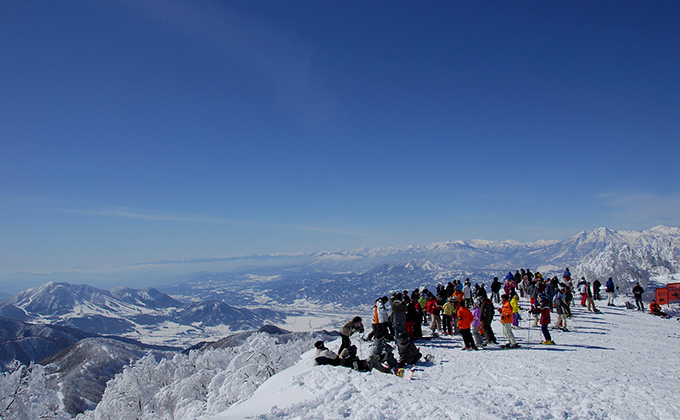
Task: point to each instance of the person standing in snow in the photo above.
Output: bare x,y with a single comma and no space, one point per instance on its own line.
611,292
465,319
447,311
348,329
560,307
486,317
638,291
467,293
435,310
506,321
380,318
590,303
495,289
399,315
544,310
596,289
514,302
477,322
583,290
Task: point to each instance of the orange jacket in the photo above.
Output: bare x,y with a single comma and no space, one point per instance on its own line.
465,318
506,313
654,307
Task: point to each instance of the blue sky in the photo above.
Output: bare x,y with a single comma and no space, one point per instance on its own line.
163,130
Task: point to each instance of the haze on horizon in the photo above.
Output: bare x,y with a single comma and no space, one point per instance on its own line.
168,130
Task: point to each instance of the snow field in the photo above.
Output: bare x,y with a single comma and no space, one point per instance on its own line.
618,364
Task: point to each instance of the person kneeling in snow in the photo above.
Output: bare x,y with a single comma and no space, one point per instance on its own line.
324,356
408,352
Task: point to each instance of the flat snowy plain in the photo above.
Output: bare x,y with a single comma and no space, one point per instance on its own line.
618,364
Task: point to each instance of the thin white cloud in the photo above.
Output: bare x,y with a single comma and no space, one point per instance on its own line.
163,216
642,210
130,213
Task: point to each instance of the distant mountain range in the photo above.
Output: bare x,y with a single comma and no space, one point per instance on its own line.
354,278
126,312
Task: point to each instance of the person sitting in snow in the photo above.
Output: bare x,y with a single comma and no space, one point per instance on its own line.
350,359
408,352
655,309
381,356
324,356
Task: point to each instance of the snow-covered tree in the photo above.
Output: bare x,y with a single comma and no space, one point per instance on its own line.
195,384
24,396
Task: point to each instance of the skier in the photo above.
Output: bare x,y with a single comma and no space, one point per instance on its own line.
545,319
348,329
506,322
638,291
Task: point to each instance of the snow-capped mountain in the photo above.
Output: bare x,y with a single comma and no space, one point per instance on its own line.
137,314
630,257
355,278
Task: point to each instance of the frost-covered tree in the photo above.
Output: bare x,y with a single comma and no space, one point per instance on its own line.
195,384
24,396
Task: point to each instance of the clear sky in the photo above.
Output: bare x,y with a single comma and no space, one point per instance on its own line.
134,132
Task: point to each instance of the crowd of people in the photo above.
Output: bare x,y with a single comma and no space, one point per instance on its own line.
462,309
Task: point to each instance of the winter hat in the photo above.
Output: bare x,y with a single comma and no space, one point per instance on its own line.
319,344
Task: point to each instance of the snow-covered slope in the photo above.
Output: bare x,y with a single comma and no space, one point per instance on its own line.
619,364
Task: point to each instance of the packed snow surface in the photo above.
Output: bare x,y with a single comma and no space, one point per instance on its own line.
617,364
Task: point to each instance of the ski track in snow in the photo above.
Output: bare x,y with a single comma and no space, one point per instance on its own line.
618,364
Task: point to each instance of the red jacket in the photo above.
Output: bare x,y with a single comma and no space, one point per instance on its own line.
465,318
